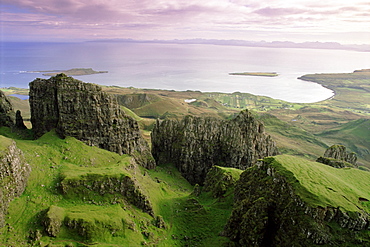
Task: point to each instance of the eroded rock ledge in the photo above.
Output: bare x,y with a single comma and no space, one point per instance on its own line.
84,111
195,144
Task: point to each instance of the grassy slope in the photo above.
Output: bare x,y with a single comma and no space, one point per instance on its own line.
327,186
190,221
355,135
292,139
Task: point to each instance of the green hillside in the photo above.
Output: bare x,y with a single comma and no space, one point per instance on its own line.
89,218
322,185
355,135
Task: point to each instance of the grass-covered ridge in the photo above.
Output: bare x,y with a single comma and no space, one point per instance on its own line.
322,185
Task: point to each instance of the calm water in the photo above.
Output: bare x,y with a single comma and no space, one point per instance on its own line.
182,67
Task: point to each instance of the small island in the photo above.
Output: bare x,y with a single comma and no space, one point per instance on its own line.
266,74
72,72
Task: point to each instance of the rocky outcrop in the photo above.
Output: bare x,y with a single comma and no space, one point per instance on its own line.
53,220
220,180
84,111
7,115
196,144
14,172
98,188
90,227
19,124
268,212
337,156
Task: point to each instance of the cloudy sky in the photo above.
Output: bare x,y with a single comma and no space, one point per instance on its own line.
341,21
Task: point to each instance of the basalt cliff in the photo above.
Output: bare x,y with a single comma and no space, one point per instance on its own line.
195,144
84,111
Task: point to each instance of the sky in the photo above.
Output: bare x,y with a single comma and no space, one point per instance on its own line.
343,21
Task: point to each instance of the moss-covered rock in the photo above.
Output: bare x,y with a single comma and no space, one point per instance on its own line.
334,162
96,185
337,156
219,180
89,223
53,220
159,222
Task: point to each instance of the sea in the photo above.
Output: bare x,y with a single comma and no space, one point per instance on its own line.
198,67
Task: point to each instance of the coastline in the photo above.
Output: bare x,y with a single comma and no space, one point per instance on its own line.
324,86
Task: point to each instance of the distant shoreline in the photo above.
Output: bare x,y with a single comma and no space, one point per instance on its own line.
71,72
265,74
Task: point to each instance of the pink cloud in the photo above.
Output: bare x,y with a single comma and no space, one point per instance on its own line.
274,12
184,18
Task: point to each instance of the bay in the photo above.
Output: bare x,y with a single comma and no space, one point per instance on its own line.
182,67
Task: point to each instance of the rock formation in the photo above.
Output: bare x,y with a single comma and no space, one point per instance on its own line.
196,144
111,189
337,156
19,124
14,172
87,227
7,115
268,212
219,181
84,111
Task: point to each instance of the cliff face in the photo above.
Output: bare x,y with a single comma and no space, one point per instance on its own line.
268,212
7,115
14,172
84,111
196,144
